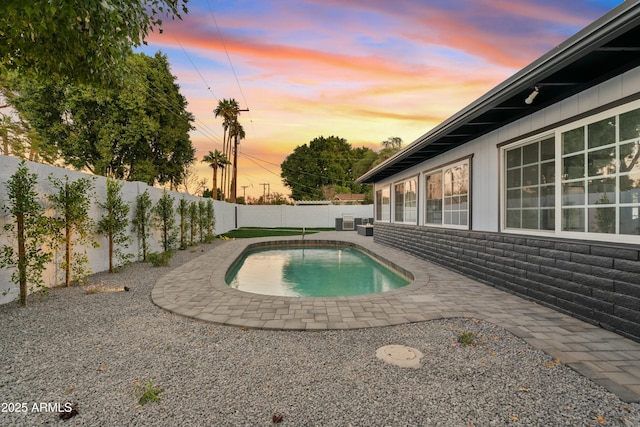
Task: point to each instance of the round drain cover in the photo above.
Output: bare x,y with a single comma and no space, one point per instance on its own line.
400,355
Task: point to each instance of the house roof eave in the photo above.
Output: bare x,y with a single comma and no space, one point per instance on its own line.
510,94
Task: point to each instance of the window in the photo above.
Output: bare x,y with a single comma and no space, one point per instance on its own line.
383,204
406,201
447,196
530,182
601,176
434,198
585,178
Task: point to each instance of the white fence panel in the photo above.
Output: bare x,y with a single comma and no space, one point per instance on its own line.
228,217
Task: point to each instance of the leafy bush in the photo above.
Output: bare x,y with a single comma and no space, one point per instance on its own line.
114,224
465,339
159,259
165,221
142,221
72,226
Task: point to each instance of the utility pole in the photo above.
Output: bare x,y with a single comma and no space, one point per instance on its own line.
264,192
244,192
234,182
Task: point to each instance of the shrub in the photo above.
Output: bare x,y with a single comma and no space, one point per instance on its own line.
465,339
72,226
165,221
114,224
159,259
142,221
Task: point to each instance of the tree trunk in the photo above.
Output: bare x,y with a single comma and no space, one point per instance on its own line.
144,241
67,255
22,260
110,251
224,153
5,145
67,234
214,191
164,236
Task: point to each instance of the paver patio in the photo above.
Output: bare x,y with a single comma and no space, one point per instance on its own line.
198,290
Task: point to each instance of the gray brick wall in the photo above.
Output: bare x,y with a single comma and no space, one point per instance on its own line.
596,282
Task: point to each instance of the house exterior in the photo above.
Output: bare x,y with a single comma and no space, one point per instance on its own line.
534,188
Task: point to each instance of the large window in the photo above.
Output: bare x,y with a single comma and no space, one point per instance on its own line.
406,201
383,204
447,196
584,178
601,176
530,182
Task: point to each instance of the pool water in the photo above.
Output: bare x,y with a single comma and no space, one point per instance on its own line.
312,272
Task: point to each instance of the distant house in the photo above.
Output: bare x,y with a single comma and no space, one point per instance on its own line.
348,199
535,187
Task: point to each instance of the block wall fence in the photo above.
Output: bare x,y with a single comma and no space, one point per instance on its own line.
228,217
592,281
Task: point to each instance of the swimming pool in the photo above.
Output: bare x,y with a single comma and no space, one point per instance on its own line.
312,271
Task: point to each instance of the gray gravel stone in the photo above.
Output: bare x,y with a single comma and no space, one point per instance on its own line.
92,348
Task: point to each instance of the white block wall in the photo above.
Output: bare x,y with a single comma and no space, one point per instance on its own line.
228,217
319,216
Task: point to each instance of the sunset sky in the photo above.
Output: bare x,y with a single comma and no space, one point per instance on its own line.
361,70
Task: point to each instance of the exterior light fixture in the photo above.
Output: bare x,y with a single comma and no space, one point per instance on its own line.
532,96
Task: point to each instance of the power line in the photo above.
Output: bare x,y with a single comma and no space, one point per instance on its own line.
235,75
227,53
175,109
197,71
279,176
314,175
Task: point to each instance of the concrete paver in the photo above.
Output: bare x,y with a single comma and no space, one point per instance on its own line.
198,290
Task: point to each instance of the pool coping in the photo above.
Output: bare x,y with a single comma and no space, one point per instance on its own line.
198,289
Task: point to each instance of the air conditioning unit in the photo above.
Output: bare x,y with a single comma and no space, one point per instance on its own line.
348,222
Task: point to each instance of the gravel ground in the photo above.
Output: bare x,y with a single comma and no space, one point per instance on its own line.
97,350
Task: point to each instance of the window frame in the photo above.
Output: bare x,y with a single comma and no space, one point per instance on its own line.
425,204
583,122
394,209
381,206
504,171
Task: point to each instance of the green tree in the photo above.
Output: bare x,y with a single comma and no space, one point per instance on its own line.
84,41
216,160
29,228
193,222
124,131
202,220
72,225
210,222
142,221
164,216
392,143
390,146
227,109
17,135
183,211
114,224
323,163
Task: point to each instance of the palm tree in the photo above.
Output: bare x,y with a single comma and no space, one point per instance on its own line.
216,161
240,129
227,109
236,131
